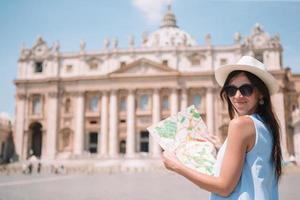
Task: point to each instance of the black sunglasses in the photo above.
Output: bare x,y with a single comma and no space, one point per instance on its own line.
245,90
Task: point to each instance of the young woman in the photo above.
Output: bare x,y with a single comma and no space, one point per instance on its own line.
248,164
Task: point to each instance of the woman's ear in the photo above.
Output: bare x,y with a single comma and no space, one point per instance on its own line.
260,95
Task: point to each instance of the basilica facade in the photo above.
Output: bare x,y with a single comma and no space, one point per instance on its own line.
98,104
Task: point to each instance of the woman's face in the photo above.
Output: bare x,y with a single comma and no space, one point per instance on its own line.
244,104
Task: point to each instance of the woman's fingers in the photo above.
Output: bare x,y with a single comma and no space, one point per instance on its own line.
215,140
168,155
170,161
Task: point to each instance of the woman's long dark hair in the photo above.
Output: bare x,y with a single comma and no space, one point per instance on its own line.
265,111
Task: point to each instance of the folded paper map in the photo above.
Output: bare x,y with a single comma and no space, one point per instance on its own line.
185,134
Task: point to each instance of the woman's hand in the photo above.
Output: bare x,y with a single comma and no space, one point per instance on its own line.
215,140
171,162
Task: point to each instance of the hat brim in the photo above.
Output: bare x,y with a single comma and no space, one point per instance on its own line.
222,72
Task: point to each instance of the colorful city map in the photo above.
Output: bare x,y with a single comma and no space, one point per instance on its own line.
186,134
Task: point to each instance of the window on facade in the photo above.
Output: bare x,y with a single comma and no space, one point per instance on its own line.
144,141
165,103
260,57
93,122
93,65
144,102
165,62
93,141
38,68
122,147
36,105
294,107
94,104
122,64
197,100
68,105
223,61
69,68
123,104
195,61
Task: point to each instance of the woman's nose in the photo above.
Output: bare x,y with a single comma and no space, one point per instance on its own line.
238,94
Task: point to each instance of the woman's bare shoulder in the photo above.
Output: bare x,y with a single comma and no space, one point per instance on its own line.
242,124
241,121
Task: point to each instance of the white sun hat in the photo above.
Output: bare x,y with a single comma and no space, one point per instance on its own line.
249,64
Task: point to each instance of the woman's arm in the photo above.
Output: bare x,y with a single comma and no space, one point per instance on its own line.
241,133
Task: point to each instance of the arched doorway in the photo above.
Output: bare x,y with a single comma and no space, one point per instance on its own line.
35,142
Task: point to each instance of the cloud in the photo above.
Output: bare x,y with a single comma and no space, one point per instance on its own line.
152,9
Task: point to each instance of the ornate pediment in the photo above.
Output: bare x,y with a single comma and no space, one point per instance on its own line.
38,52
143,67
259,39
40,49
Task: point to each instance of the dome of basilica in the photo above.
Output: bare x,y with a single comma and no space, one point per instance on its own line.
169,34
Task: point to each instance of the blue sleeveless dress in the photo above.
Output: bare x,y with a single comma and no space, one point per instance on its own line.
258,179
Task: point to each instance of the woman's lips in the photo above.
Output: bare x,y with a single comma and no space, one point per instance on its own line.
240,103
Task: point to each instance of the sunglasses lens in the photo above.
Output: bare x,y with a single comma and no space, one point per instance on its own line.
246,90
231,90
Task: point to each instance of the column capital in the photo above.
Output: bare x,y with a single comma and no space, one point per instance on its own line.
156,90
211,89
53,94
131,90
104,92
174,89
77,93
184,89
113,91
21,96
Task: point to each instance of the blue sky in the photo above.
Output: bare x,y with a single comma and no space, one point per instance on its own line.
70,21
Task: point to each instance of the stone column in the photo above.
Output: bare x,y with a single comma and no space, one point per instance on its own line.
79,124
113,124
156,150
184,99
296,134
19,124
104,125
25,148
174,101
130,144
52,113
278,105
210,111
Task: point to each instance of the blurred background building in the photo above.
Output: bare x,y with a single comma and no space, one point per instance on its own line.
99,103
7,151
